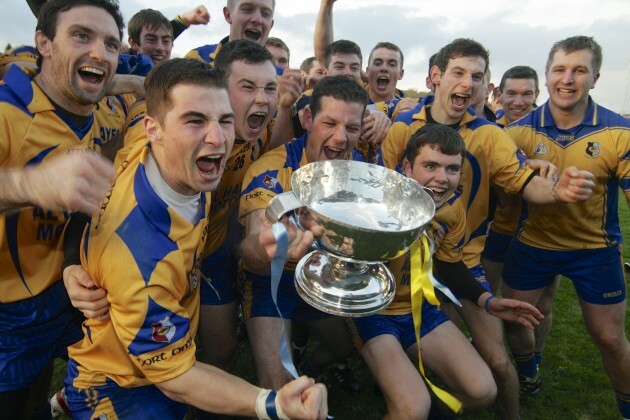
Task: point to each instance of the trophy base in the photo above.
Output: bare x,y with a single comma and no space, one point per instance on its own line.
343,288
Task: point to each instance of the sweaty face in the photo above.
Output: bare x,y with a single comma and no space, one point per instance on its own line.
518,98
383,73
253,90
194,140
456,87
81,61
436,171
156,43
280,56
250,19
570,78
334,131
348,65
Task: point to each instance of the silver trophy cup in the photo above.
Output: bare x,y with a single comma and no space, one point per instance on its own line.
366,214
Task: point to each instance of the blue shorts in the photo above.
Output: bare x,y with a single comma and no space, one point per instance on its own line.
497,245
219,272
597,274
400,326
257,301
113,401
33,332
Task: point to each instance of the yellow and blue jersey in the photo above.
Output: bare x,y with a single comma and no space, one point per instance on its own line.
226,198
446,230
600,144
491,158
207,53
34,132
146,256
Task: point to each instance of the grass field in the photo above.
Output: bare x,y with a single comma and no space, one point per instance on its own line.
574,383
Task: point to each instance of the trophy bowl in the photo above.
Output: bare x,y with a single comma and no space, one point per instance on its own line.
366,214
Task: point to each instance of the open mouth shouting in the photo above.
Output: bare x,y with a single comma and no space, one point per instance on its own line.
92,75
333,153
210,167
382,82
460,101
256,121
253,34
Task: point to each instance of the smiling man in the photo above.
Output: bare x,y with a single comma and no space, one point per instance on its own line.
48,168
248,19
141,362
491,157
333,127
582,240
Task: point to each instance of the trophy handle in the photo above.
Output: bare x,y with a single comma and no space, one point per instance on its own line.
282,204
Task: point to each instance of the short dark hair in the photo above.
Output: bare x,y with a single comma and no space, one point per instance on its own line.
339,87
519,72
432,62
577,43
277,42
49,14
241,50
147,18
461,47
389,46
307,64
169,73
342,46
441,137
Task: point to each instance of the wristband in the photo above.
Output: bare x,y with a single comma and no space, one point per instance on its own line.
487,302
180,20
268,407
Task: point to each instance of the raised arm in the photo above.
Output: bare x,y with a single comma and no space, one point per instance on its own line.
324,35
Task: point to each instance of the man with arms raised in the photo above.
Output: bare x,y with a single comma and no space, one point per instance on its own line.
147,346
491,157
579,240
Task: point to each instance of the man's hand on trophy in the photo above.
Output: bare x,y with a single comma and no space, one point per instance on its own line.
300,240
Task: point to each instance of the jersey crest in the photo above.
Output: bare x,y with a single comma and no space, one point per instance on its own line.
163,330
541,149
592,149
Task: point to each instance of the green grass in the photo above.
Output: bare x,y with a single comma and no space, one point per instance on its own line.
574,383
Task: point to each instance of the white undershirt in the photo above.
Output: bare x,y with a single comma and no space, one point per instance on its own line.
187,206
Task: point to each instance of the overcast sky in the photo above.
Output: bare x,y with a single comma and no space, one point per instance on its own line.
515,32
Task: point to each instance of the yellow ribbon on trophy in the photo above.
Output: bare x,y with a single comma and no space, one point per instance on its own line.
421,285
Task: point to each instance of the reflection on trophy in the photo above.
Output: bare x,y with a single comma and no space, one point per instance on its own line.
364,215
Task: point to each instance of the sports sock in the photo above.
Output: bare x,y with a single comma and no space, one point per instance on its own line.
623,402
526,364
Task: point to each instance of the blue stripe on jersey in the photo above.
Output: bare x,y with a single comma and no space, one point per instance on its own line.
476,179
624,184
11,223
38,158
151,217
481,230
80,132
160,328
611,213
295,149
24,48
122,104
477,122
267,180
17,90
136,120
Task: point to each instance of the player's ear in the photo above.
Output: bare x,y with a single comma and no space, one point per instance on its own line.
43,44
153,129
